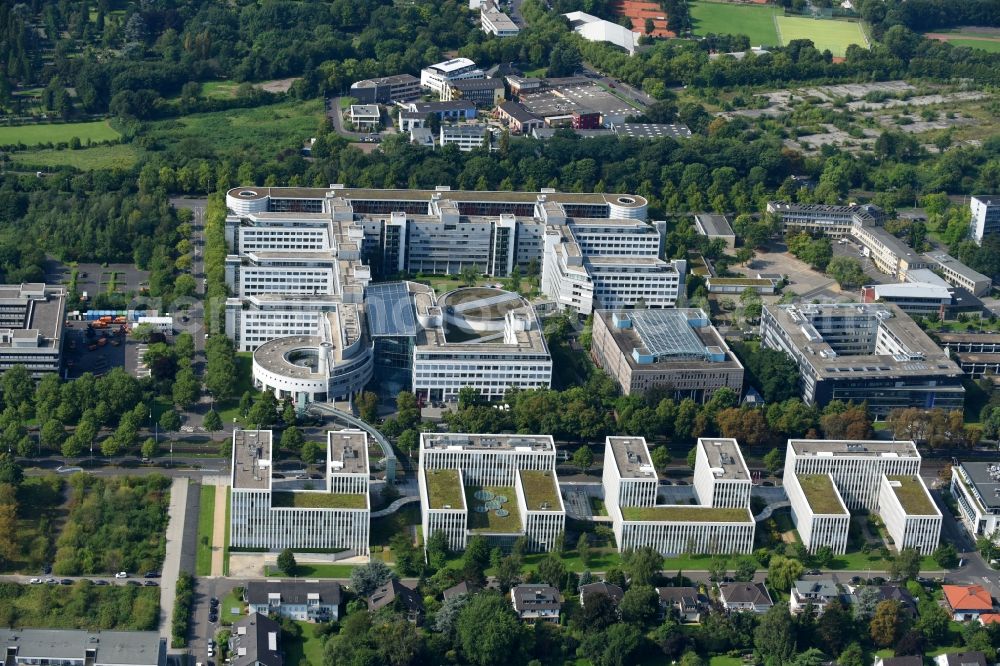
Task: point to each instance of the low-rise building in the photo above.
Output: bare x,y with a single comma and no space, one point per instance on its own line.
401,597
976,488
465,137
31,327
919,299
255,640
29,647
518,118
958,274
536,603
595,29
816,593
482,92
270,515
387,89
610,590
762,286
365,117
961,659
888,254
714,226
745,597
821,219
454,110
967,602
678,350
651,130
300,600
912,660
683,603
818,512
495,22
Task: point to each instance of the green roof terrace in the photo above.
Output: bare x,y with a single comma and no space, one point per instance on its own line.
318,500
444,489
681,513
541,490
505,521
821,494
910,493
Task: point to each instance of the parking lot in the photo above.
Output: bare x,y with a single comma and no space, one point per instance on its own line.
802,280
80,358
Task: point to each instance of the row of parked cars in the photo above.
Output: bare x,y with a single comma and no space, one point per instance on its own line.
149,576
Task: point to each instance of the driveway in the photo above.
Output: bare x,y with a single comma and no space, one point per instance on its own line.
333,110
172,560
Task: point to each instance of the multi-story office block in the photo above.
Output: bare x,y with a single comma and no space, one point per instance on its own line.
721,477
481,92
387,89
863,352
818,512
910,515
464,137
677,350
495,22
958,274
274,514
824,479
630,484
501,487
985,216
31,325
976,488
487,339
436,77
832,221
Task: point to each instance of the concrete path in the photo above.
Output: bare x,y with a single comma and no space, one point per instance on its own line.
219,530
172,560
395,506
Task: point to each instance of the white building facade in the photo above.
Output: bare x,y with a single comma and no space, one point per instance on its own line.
909,526
436,77
985,216
721,478
818,527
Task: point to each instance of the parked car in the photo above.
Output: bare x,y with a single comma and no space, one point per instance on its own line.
66,581
121,574
100,582
34,581
152,574
151,583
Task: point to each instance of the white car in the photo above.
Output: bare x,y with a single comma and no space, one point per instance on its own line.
34,581
211,650
121,574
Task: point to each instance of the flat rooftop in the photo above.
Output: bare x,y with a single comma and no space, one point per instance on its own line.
454,440
725,458
947,261
869,448
348,451
821,494
251,459
682,513
987,338
316,499
541,490
485,517
125,648
985,477
912,495
653,130
632,458
713,225
444,489
665,339
32,311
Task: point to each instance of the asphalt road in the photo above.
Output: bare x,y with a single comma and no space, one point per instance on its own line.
333,111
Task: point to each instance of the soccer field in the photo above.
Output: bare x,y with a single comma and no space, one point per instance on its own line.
754,21
824,33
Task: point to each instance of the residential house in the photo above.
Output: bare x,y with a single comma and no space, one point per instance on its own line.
613,592
534,603
255,641
989,618
457,590
961,659
394,594
967,602
912,660
900,595
685,602
818,593
745,597
305,600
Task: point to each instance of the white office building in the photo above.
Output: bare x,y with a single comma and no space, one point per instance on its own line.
826,479
721,477
488,339
821,219
436,77
464,137
31,327
909,513
274,514
985,216
976,488
630,484
495,22
501,487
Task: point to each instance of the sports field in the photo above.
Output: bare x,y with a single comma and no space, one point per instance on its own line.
720,18
32,135
825,34
987,39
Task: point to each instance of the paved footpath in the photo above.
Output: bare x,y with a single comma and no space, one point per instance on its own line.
172,561
219,530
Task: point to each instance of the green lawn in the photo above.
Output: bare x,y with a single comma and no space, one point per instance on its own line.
307,648
825,34
32,135
222,89
315,571
120,156
226,604
725,661
991,45
206,525
754,21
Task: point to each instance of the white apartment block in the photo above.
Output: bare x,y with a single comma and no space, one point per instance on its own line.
976,488
910,515
436,77
502,487
818,512
270,515
825,479
630,484
985,216
464,137
721,477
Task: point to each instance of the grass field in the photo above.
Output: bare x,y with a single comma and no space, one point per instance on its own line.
834,36
221,89
991,45
32,135
119,156
206,528
754,21
315,571
306,648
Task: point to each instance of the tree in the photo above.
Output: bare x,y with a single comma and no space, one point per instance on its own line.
52,434
477,553
643,565
774,638
551,570
852,655
639,605
583,457
717,568
149,448
366,578
72,446
437,549
469,274
220,368
10,471
744,568
846,271
367,404
835,630
906,565
212,422
660,457
489,632
583,549
287,563
170,420
17,386
598,612
886,624
823,557
615,646
774,460
408,561
782,572
946,556
867,598
310,451
932,621
292,439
